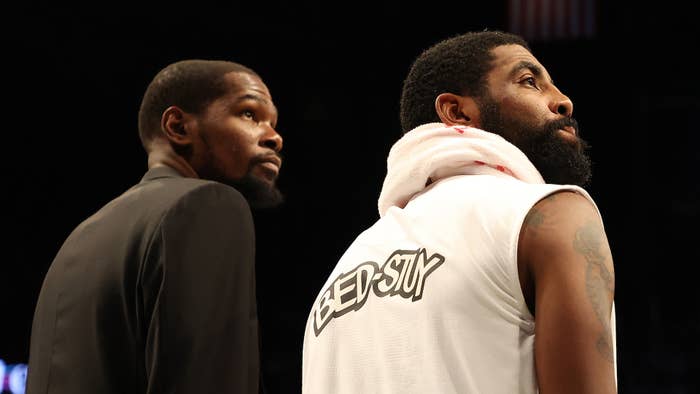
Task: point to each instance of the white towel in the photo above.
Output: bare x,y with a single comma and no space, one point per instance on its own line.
435,151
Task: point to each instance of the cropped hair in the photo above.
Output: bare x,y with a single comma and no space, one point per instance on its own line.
457,65
190,85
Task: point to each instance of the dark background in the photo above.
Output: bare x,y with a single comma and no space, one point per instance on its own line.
73,76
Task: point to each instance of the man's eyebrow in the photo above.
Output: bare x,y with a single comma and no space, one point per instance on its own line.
534,68
249,96
255,97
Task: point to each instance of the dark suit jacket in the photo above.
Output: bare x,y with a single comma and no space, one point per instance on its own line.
155,293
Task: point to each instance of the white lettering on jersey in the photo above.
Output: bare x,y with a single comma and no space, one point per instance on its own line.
403,273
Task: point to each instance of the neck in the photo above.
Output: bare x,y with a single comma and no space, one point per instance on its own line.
162,154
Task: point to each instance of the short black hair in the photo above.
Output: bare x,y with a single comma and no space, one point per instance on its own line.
455,65
189,84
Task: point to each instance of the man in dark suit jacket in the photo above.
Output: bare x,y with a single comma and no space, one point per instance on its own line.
155,293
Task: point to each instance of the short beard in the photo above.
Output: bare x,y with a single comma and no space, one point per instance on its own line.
260,194
558,160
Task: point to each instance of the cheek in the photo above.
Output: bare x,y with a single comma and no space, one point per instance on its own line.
523,104
241,144
529,109
230,154
237,156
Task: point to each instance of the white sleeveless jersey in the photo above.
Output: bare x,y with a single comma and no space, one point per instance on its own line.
428,299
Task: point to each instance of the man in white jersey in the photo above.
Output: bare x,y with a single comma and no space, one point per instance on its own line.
489,270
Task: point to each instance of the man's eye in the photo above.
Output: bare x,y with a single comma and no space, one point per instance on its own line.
248,114
531,81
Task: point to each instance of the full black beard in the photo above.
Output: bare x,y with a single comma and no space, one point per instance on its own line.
259,193
558,160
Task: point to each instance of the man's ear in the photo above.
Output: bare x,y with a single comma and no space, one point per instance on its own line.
175,123
457,110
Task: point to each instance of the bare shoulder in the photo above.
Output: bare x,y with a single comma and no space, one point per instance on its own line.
563,224
561,208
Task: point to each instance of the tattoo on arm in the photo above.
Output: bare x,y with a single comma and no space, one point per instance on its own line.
600,281
534,219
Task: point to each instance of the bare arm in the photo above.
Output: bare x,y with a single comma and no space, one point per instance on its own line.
567,275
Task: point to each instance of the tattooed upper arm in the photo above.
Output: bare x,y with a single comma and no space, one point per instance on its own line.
565,256
591,243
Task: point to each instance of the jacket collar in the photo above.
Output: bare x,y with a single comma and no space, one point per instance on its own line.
160,172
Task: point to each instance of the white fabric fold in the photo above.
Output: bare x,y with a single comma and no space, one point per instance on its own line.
435,151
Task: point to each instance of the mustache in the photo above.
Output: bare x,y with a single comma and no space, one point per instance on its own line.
266,157
561,123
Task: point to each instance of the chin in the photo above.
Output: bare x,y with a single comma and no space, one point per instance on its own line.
260,192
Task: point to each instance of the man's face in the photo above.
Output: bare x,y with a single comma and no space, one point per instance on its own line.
526,109
237,142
